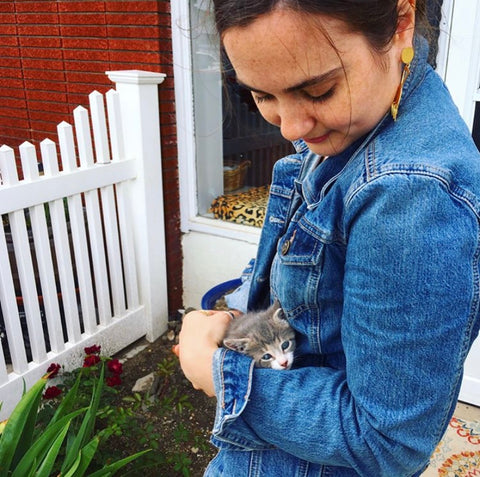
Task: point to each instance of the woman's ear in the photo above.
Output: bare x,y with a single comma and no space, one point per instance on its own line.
406,23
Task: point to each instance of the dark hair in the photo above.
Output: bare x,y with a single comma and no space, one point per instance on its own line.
376,19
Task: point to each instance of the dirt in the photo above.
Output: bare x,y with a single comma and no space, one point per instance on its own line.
190,451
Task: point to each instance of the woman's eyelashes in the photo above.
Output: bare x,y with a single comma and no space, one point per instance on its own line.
261,98
320,98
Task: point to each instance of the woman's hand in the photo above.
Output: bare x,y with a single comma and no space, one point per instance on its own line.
201,335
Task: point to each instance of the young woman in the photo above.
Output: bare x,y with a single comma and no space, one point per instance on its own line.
371,245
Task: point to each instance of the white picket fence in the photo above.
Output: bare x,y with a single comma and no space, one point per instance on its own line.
85,239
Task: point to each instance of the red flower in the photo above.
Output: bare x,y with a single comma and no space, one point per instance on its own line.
53,370
94,349
113,380
90,361
115,366
52,392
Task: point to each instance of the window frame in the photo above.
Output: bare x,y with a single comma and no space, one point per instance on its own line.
462,59
184,98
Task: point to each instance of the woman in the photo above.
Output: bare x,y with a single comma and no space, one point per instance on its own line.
371,245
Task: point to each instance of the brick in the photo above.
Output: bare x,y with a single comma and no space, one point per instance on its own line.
8,72
93,66
15,108
85,31
36,84
18,104
38,30
43,128
19,122
48,53
8,29
36,105
132,31
11,83
44,74
37,7
133,19
131,44
82,19
6,18
80,98
84,77
73,6
12,93
7,7
134,58
79,91
37,18
136,6
41,41
8,41
86,43
50,96
86,55
53,117
9,51
42,64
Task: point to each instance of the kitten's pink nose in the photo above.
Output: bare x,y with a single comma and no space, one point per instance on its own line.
284,364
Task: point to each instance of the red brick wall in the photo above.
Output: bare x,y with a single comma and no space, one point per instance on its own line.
54,53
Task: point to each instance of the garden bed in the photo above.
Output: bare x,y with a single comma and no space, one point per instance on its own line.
179,417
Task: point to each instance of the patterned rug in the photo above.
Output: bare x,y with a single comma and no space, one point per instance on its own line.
458,454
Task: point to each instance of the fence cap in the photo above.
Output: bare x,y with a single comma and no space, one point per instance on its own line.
136,77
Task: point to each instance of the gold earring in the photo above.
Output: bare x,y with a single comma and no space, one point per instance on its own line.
407,57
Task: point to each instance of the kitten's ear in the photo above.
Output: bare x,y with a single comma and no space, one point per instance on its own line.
279,315
236,344
275,305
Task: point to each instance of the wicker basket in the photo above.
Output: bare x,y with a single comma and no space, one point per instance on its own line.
234,175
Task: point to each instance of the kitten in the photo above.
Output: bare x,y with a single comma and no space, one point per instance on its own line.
266,336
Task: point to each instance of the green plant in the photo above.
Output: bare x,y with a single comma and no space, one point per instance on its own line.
25,452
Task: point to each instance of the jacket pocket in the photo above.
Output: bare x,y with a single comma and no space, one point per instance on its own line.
300,246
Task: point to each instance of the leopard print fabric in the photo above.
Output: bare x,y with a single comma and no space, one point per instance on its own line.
247,208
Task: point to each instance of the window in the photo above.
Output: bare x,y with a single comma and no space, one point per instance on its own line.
235,147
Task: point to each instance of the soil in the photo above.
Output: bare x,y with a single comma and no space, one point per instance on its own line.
192,451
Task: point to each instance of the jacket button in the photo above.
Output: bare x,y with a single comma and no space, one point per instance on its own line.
285,247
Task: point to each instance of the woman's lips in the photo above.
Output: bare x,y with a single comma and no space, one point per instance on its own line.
316,140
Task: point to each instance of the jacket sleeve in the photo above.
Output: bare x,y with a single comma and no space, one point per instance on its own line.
409,317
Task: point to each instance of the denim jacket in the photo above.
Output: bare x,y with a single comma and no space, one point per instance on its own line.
374,256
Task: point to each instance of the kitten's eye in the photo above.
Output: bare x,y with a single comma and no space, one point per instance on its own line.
285,345
267,357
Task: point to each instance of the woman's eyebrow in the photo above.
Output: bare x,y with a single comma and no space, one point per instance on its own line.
315,80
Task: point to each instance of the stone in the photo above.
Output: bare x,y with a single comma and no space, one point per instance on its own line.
143,385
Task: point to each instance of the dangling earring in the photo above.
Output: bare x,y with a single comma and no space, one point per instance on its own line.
407,57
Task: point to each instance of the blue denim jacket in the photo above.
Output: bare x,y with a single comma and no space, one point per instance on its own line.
374,256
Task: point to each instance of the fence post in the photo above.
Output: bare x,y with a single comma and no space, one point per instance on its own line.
138,91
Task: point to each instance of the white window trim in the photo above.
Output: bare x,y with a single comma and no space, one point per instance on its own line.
182,59
462,68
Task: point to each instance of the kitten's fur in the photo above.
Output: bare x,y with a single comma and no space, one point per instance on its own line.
266,336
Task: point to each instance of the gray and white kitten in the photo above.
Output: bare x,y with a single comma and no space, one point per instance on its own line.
265,336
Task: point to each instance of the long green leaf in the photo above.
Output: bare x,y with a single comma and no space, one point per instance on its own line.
27,434
14,430
41,445
86,456
46,466
86,429
112,468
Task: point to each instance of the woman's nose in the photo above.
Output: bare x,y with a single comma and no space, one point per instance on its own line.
295,122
